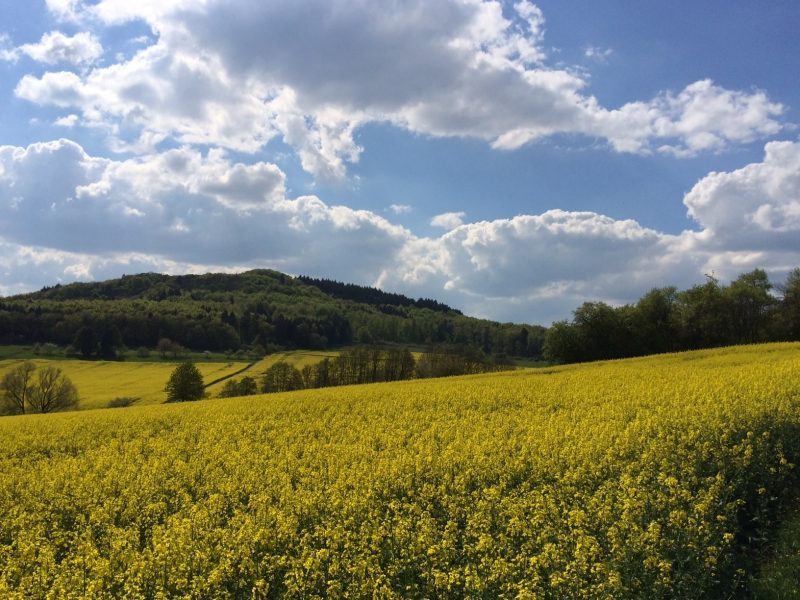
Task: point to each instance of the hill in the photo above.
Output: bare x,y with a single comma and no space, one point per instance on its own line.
626,479
260,309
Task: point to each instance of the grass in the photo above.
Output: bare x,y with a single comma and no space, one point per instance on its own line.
779,576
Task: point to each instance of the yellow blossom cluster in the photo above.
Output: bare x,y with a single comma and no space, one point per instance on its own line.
624,479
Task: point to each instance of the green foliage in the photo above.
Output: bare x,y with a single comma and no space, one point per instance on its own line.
85,342
251,311
185,383
665,320
778,577
121,402
281,377
247,386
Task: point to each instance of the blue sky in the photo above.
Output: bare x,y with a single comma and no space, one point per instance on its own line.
510,158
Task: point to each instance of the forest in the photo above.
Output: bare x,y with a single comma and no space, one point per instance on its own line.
264,311
261,311
748,310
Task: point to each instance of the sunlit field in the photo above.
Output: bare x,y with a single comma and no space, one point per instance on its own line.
649,477
99,382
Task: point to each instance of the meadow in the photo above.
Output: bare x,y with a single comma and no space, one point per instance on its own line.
655,477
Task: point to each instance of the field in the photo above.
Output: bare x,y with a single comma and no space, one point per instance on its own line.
98,382
652,477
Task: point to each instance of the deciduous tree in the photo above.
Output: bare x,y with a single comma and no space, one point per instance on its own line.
185,383
52,391
17,386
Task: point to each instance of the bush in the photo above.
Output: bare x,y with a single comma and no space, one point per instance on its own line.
121,402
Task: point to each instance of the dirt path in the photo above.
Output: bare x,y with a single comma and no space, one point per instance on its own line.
229,375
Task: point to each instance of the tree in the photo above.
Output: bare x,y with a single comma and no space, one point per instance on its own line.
281,377
109,342
749,303
789,308
85,341
53,391
17,386
562,343
185,383
232,388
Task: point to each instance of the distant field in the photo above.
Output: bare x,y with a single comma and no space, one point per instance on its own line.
298,358
98,382
642,478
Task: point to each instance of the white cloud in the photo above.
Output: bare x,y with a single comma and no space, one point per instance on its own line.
67,121
182,210
186,208
157,94
598,54
448,220
756,208
400,209
65,10
235,74
57,48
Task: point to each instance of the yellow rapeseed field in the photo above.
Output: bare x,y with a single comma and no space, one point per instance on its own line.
642,478
99,382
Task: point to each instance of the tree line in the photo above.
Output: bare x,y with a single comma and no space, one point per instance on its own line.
667,320
364,365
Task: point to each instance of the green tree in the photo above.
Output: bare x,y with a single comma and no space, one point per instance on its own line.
17,387
185,383
232,388
749,303
85,341
702,315
562,343
109,342
789,308
653,321
52,391
281,377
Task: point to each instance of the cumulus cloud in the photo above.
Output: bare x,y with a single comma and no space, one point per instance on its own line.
448,220
183,210
235,74
55,48
184,207
753,209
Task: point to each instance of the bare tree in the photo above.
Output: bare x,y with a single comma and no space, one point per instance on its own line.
53,391
17,387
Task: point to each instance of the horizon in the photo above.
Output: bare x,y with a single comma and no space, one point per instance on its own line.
508,159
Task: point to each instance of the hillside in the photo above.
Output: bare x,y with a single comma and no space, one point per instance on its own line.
260,309
626,479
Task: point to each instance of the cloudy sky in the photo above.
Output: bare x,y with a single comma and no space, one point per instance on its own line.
509,158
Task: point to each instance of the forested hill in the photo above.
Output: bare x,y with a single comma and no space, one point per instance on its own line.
371,295
260,310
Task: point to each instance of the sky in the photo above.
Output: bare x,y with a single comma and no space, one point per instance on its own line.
508,158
